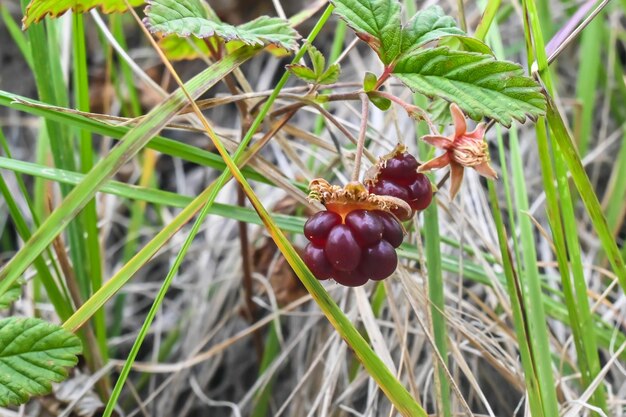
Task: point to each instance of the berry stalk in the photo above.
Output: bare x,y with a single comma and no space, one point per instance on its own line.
361,139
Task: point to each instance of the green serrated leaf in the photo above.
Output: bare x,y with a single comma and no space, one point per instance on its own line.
331,75
317,60
380,102
38,9
192,17
183,18
427,25
33,354
376,22
302,72
13,293
479,84
369,81
266,30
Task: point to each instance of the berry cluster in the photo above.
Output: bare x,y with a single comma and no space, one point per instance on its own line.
354,248
396,175
355,239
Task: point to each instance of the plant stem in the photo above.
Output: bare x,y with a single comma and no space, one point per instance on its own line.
383,77
361,139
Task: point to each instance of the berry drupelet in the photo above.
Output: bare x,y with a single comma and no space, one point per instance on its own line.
354,240
396,175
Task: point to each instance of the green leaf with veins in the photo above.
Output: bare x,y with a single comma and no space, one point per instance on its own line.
317,60
331,75
266,30
303,72
428,25
479,84
376,22
193,17
33,354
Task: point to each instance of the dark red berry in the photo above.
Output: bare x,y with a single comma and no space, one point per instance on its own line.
392,230
342,250
317,228
379,261
315,258
420,192
352,278
387,187
398,177
401,169
366,226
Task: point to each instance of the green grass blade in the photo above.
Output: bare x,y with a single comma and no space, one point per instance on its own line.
516,296
563,222
437,299
18,36
488,16
271,349
89,217
586,191
588,76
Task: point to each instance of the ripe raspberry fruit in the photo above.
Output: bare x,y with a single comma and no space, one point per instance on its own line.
354,240
366,227
392,230
379,260
352,278
396,175
319,226
315,258
342,249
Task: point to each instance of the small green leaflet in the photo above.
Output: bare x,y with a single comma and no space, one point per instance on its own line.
479,84
33,354
38,9
319,74
369,82
194,17
382,103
